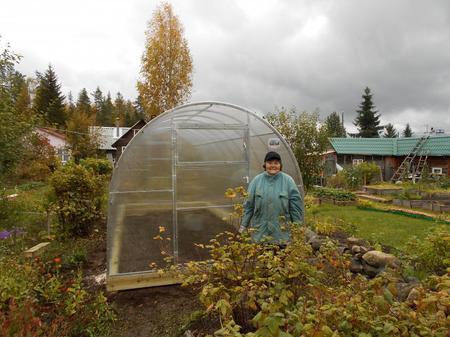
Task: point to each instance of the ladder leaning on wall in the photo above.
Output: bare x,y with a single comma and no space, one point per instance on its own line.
405,166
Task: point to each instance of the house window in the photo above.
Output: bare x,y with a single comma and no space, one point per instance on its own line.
357,161
436,170
63,155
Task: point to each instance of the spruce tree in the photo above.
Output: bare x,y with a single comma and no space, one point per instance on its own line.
84,103
407,132
335,126
98,105
108,111
130,114
139,108
119,109
49,101
390,131
70,106
367,119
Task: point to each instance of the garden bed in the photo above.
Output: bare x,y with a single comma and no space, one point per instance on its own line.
382,190
441,206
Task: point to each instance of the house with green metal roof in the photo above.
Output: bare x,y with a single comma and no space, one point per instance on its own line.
389,153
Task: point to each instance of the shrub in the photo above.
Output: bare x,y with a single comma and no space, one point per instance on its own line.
36,299
78,195
337,181
38,160
262,290
353,177
335,194
101,167
431,255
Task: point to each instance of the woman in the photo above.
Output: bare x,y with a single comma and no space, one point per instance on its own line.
273,198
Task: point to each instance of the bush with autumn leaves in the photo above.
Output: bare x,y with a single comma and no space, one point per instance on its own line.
47,297
260,290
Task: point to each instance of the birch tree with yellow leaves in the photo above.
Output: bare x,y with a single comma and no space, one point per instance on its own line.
166,69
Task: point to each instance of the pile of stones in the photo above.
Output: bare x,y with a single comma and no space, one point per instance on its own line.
364,259
367,261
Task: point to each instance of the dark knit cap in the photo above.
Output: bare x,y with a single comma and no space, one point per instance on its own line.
272,156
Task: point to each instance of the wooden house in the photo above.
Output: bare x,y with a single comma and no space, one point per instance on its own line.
389,153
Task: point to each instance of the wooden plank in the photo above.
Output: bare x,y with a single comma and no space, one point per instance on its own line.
139,280
35,250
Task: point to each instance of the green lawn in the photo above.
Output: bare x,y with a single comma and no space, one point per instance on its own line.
389,229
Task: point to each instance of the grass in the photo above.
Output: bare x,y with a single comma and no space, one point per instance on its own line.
389,229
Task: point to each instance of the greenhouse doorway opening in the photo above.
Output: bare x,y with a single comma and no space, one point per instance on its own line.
170,182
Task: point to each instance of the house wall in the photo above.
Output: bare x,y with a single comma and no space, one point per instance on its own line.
389,164
55,142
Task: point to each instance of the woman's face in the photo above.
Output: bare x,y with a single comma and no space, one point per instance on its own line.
273,167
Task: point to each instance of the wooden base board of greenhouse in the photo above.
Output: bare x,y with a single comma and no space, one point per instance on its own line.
135,281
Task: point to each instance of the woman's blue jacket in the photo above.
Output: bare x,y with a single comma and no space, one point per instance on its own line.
272,200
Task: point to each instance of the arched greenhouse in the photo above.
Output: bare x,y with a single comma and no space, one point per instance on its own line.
172,178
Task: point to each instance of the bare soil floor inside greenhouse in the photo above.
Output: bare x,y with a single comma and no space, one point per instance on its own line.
158,311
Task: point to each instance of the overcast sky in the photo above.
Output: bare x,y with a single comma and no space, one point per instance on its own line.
255,53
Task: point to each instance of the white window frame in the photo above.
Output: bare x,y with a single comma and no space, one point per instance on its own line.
358,161
436,170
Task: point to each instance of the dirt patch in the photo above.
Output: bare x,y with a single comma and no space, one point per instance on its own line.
160,311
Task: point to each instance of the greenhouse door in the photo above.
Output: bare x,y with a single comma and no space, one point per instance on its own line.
208,160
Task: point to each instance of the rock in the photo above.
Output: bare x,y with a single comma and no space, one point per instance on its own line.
188,333
352,241
342,249
370,270
356,249
413,295
315,243
363,249
356,266
378,259
403,290
309,235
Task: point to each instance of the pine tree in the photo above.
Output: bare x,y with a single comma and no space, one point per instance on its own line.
367,119
130,114
97,108
49,102
84,103
119,109
166,68
335,126
70,106
139,108
407,132
108,111
390,131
